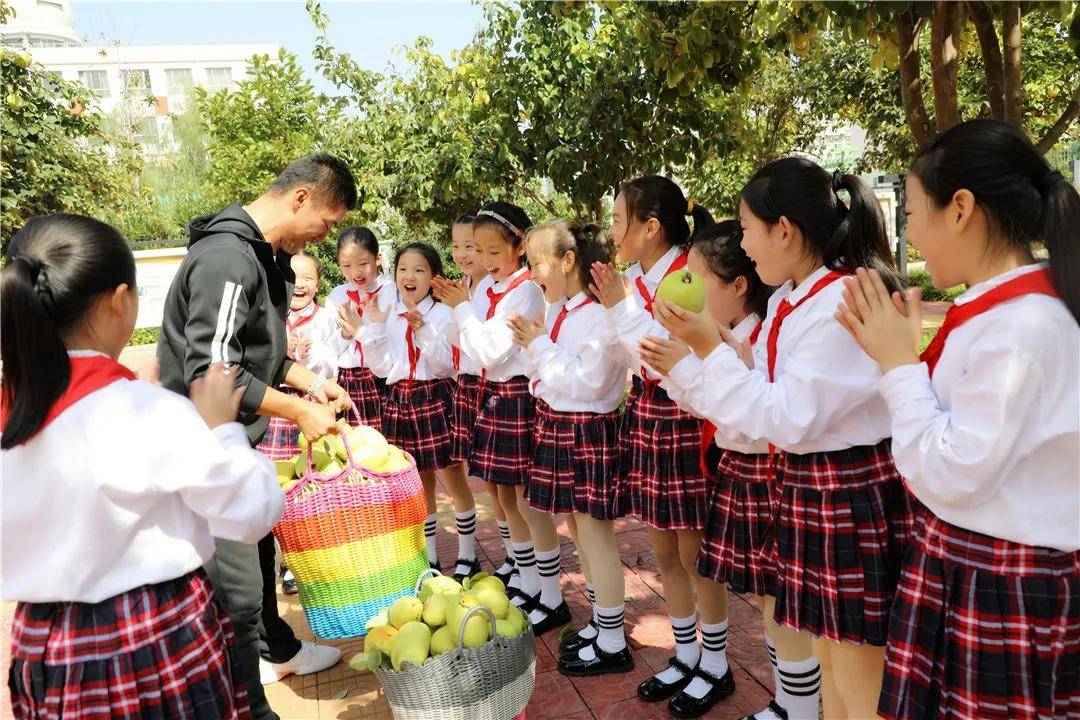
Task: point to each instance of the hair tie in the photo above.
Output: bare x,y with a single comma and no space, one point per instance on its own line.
690,206
837,180
40,278
502,221
1048,181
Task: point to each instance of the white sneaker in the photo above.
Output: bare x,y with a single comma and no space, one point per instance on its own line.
311,659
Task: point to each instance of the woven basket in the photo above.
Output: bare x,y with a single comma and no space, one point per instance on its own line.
354,541
491,682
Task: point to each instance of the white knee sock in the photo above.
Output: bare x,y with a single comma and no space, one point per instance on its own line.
549,567
504,533
525,560
466,536
430,526
800,684
686,647
610,636
713,657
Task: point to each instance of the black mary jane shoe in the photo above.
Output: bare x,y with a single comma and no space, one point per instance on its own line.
473,565
685,706
554,617
603,664
655,690
574,641
505,577
774,708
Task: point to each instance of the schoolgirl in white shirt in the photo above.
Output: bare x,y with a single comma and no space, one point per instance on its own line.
113,492
408,345
986,432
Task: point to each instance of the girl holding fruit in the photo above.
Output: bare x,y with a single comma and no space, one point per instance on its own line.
660,475
408,345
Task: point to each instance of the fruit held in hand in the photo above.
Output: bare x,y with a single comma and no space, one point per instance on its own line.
405,610
683,288
411,644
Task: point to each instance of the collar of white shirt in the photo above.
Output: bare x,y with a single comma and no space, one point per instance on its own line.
659,270
745,326
803,288
986,285
503,284
577,301
86,353
423,306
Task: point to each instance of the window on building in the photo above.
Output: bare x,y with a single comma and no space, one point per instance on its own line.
14,41
136,81
178,81
96,81
42,42
218,79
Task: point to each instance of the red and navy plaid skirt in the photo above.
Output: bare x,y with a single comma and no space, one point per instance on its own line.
574,463
843,526
983,628
502,443
157,651
466,402
741,510
660,479
417,420
282,438
363,389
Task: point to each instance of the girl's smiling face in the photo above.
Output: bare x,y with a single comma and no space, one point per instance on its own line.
413,277
495,253
549,272
358,265
633,239
463,249
307,282
725,301
774,248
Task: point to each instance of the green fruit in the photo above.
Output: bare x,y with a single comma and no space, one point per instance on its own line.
438,585
435,610
516,616
380,639
477,628
490,582
411,644
443,640
332,468
365,661
508,628
377,619
477,631
683,288
405,610
493,600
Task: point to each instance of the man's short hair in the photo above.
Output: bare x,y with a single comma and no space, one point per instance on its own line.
326,176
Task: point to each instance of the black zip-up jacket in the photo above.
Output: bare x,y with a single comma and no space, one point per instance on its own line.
228,303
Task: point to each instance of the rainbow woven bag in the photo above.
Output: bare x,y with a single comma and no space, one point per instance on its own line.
354,541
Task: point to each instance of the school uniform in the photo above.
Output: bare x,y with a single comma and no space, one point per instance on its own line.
117,502
578,386
986,432
502,440
419,370
317,324
659,479
366,388
843,518
741,505
467,390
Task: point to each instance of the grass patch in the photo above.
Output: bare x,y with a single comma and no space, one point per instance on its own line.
921,278
144,336
927,336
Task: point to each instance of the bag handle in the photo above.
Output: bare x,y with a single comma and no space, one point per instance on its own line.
461,630
429,573
311,476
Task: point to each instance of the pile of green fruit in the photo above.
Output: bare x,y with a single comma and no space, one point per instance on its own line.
328,456
414,629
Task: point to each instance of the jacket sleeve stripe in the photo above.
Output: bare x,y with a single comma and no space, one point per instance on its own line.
219,346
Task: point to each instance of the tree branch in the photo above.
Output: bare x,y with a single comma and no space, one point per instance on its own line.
1010,34
944,60
991,56
909,29
1070,113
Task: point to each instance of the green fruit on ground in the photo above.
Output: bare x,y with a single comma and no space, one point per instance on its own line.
405,610
515,615
365,661
411,644
435,610
492,599
490,582
380,639
508,628
443,640
685,289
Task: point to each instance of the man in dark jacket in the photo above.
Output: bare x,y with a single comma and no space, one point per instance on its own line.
228,303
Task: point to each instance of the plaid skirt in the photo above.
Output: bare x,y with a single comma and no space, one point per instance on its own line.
157,651
363,389
282,438
983,628
660,479
741,511
502,442
417,420
843,526
466,401
574,463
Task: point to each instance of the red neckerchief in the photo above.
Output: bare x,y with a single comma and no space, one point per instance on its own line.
298,318
414,352
88,373
354,295
1035,282
648,298
557,326
785,308
494,297
708,429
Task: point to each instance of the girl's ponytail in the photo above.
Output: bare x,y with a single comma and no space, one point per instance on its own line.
57,267
861,240
655,196
1060,224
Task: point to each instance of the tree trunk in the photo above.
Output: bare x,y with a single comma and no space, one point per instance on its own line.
909,29
1070,113
991,56
944,58
1011,36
